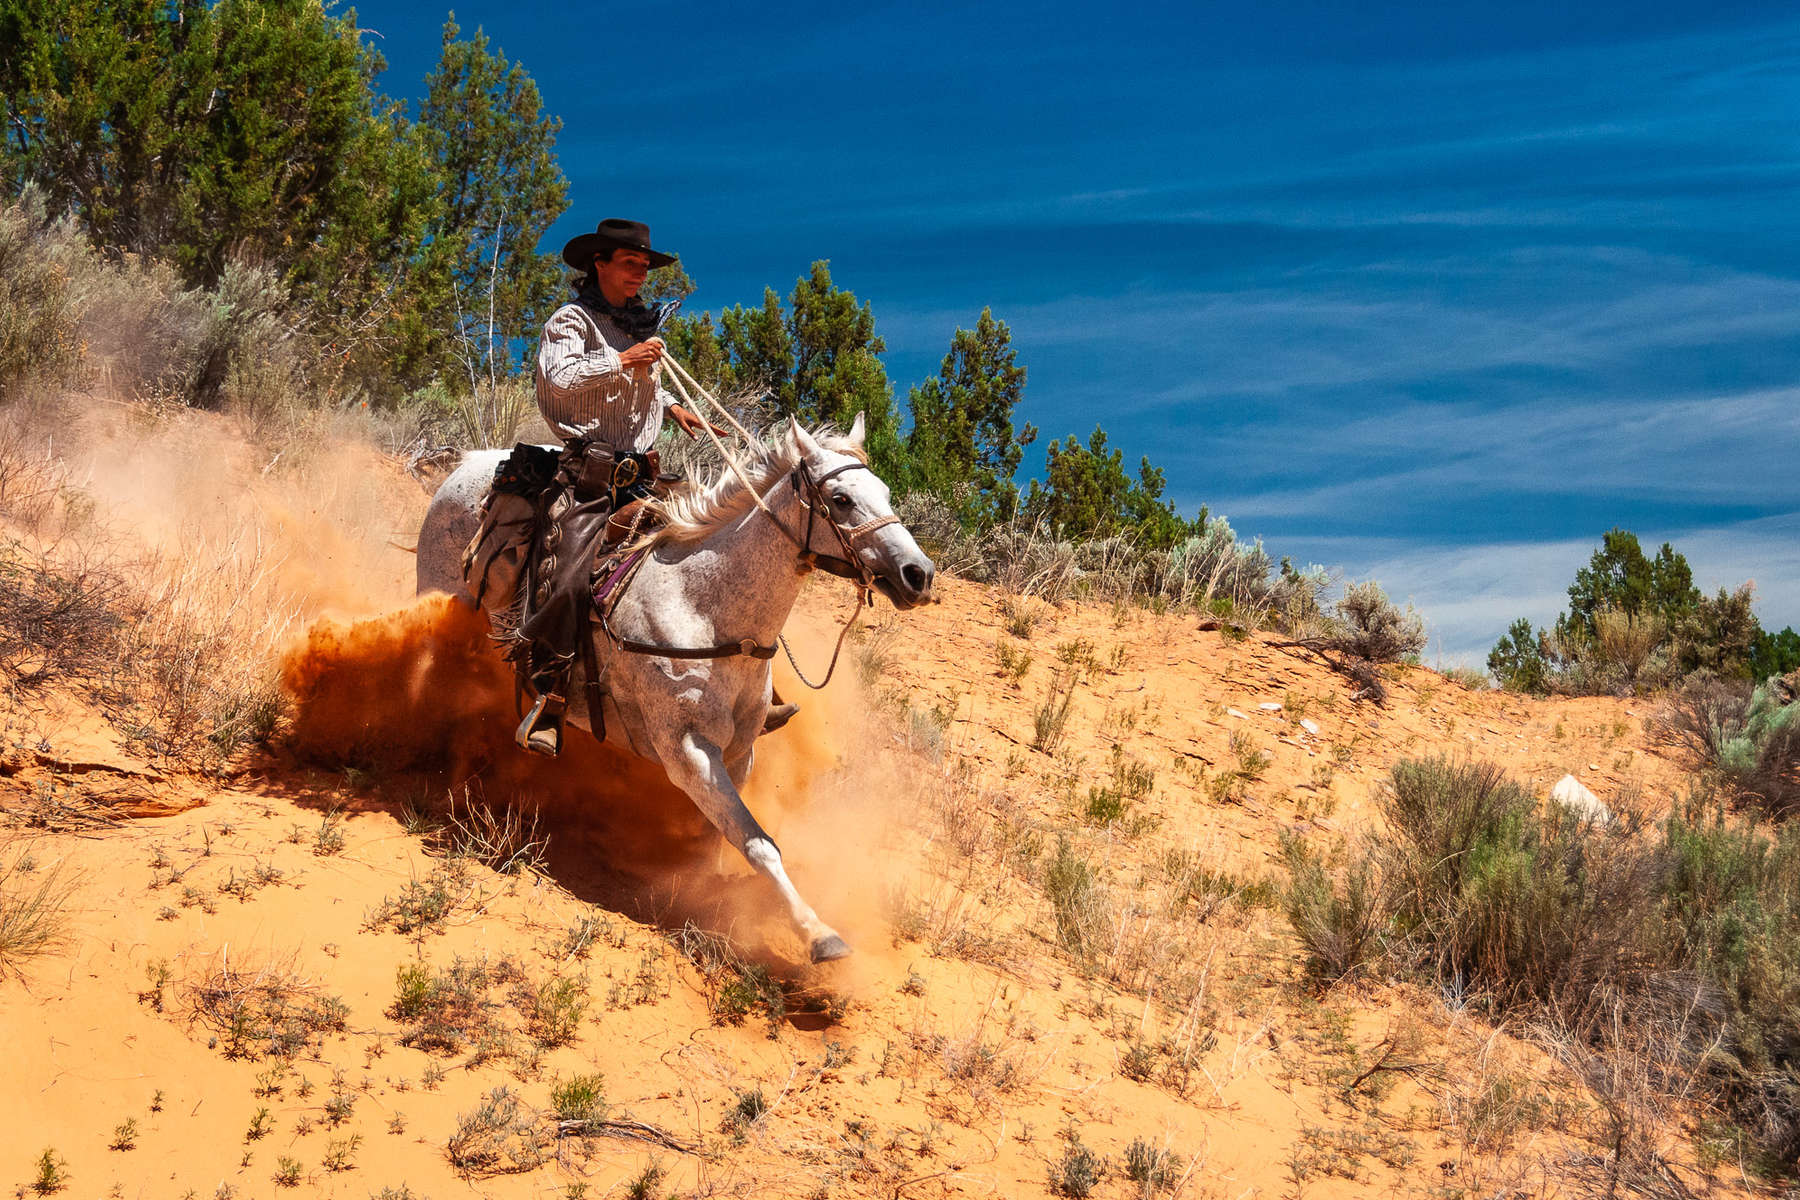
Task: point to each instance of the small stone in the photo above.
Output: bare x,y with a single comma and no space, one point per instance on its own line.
1570,793
1311,726
1269,706
1232,712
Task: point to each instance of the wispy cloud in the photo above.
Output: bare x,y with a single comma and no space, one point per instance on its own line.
1434,311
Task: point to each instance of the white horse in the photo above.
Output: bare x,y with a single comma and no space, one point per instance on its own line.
723,573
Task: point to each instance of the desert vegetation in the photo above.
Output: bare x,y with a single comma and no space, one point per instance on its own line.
1166,884
1659,961
1637,624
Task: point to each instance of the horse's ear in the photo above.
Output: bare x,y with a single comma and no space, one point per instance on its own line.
802,439
857,431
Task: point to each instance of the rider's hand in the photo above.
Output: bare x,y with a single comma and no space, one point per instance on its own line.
643,356
689,423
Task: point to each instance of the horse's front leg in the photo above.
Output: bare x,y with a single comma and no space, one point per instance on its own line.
698,768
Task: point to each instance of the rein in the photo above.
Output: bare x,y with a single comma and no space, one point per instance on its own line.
809,492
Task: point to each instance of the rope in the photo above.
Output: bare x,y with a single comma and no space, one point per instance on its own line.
685,377
678,375
675,377
855,616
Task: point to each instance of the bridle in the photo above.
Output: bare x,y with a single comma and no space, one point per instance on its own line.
809,492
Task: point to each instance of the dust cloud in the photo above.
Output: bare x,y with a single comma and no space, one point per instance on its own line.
309,533
313,522
423,693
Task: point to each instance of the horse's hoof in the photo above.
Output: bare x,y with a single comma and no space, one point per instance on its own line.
829,949
778,715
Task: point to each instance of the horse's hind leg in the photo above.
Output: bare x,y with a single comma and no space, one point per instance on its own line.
698,768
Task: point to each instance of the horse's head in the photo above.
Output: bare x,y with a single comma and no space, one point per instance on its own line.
854,517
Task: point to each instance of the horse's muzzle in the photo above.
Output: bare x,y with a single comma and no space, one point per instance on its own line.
910,586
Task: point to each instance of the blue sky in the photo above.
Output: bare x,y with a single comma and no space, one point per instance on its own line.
1435,293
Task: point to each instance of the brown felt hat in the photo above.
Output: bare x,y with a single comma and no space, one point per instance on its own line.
612,234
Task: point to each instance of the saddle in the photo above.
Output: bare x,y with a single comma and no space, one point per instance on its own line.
549,523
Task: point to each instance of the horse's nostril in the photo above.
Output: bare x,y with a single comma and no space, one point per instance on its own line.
915,577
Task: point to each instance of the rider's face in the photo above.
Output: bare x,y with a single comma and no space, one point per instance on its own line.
622,275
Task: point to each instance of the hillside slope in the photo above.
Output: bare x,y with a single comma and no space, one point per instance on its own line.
339,968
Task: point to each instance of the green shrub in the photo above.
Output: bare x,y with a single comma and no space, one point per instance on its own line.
738,986
1152,1168
1676,948
39,311
499,1136
553,1010
1749,736
1339,927
446,1009
1731,902
1077,1173
579,1101
1374,629
749,1108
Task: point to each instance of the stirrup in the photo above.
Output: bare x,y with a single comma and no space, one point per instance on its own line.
778,715
541,730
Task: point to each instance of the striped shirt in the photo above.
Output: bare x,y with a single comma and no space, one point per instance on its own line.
581,388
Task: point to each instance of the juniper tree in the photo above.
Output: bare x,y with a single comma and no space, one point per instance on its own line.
758,350
244,129
962,446
817,358
1619,576
837,371
494,148
1517,660
1087,494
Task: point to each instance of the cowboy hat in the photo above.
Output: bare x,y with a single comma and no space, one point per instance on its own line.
612,234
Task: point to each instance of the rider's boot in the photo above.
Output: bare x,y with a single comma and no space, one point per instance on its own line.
779,714
541,730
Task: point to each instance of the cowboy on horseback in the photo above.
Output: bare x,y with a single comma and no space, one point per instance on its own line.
597,366
598,387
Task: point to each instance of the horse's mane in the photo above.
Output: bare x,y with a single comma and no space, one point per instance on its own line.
705,506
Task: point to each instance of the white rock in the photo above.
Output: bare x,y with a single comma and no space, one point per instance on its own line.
1269,706
1242,716
1570,793
1311,726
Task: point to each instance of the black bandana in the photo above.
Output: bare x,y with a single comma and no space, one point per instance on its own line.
635,318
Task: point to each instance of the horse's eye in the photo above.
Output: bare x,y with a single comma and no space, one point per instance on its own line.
841,500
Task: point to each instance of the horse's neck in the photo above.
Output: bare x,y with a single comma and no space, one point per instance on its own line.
756,581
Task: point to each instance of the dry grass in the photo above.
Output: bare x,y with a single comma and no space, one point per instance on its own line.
179,650
501,1135
1210,572
34,900
1051,717
491,415
505,839
202,683
263,1011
